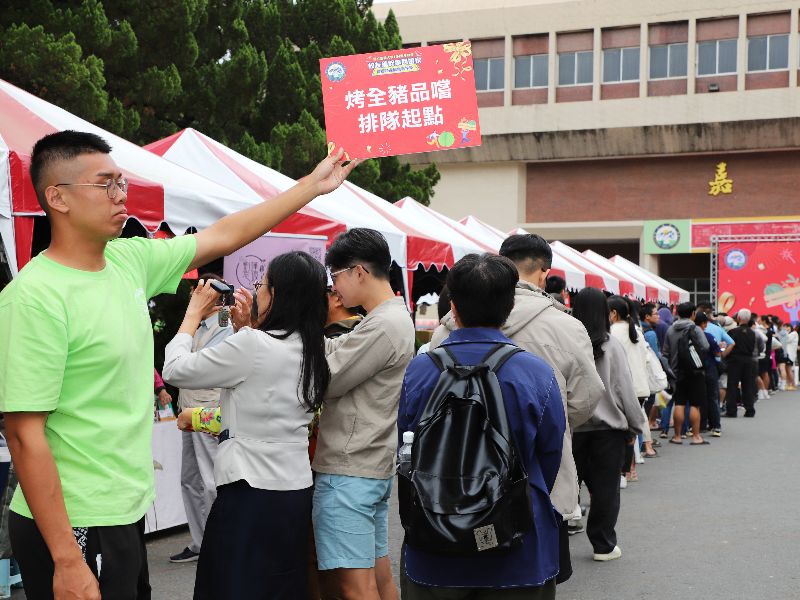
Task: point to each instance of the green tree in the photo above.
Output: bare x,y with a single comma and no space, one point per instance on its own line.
245,72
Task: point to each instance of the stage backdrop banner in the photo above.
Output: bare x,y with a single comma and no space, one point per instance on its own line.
401,101
247,265
760,276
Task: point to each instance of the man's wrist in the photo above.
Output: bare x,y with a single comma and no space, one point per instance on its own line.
68,556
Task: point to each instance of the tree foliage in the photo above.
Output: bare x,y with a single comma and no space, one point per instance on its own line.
245,72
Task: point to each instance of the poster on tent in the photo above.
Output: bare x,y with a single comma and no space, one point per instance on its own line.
761,276
401,101
247,266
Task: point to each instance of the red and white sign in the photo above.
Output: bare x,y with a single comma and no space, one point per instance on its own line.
401,101
761,276
703,231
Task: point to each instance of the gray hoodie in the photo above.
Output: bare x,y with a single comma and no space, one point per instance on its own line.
619,408
539,325
675,332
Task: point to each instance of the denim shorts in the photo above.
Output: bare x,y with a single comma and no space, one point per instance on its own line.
351,521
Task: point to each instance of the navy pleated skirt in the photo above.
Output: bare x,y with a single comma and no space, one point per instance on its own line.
255,545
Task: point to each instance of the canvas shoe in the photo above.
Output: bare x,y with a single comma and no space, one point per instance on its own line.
623,483
613,555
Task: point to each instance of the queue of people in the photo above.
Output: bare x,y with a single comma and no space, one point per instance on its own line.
310,394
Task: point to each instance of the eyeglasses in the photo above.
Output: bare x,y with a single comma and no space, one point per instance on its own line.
112,185
335,274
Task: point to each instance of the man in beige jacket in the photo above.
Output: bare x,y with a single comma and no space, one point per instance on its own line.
539,325
354,460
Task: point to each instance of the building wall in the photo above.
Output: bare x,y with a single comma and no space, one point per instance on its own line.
662,187
494,193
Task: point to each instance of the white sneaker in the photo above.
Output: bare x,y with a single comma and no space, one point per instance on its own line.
623,483
613,555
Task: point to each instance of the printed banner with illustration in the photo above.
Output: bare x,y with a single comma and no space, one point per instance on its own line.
401,101
248,265
761,276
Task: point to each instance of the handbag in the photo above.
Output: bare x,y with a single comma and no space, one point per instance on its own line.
656,377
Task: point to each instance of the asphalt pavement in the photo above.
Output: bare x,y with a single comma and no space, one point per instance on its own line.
702,522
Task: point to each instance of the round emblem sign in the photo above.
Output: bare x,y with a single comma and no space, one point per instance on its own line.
335,72
736,259
666,236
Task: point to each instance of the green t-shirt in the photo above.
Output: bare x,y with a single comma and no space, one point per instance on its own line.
79,345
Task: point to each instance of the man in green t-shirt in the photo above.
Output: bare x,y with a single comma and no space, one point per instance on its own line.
76,360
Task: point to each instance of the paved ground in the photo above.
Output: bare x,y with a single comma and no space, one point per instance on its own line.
706,522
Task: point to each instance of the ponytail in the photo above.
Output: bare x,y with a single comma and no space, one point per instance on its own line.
622,308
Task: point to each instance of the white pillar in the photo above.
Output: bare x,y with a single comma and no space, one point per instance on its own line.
691,50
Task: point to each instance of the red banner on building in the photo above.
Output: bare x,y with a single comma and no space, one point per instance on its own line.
401,101
703,231
761,276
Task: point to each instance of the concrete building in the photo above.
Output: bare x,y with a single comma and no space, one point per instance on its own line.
637,127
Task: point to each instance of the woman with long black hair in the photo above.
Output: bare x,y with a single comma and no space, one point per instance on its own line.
623,329
272,379
599,445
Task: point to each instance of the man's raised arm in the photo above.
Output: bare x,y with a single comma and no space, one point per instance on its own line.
239,229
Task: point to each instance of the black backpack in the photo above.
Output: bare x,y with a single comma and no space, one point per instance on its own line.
465,490
689,359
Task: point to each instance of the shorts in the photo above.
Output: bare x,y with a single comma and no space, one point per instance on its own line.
691,390
723,381
764,365
351,521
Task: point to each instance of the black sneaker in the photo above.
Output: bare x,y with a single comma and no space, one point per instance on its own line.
574,527
184,556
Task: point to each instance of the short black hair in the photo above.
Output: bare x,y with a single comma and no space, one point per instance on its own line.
700,318
685,310
62,145
646,309
482,289
555,284
703,306
361,246
528,246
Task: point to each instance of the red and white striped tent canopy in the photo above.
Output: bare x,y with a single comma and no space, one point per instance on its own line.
348,206
671,294
573,275
159,192
628,284
460,238
595,276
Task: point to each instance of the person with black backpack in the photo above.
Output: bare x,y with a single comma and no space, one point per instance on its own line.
488,425
684,346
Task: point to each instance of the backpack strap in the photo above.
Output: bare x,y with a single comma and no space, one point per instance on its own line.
497,356
442,357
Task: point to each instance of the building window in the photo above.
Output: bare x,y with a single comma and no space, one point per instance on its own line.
575,68
716,57
768,53
489,74
668,60
620,64
530,71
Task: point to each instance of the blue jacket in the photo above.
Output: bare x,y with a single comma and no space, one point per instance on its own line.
651,337
536,417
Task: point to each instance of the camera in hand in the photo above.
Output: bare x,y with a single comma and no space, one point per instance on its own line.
226,300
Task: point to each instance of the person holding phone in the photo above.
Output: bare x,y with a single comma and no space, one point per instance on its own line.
273,378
